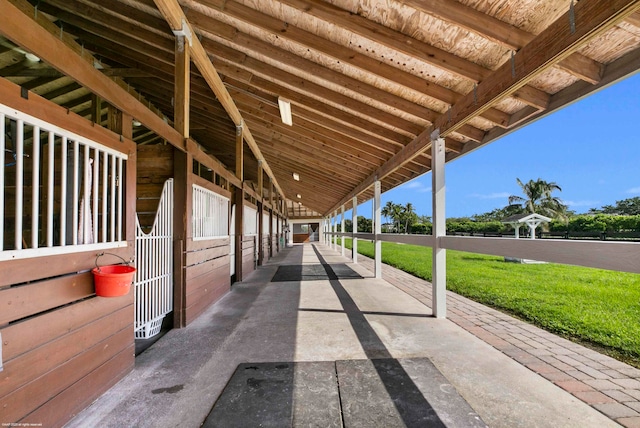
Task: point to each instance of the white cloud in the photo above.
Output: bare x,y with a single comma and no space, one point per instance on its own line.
634,190
590,204
496,195
417,186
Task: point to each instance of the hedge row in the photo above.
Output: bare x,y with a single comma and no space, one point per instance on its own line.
579,223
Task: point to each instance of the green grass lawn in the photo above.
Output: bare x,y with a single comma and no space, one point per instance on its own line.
593,306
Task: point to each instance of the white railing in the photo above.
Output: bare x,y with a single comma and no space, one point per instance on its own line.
154,269
61,192
250,221
210,214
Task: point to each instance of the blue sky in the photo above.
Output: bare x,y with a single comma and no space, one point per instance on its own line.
591,149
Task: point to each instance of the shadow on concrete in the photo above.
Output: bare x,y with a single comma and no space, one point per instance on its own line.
413,407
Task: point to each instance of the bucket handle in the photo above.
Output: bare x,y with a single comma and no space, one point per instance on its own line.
110,254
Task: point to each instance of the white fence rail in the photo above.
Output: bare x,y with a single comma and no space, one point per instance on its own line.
60,192
210,214
154,274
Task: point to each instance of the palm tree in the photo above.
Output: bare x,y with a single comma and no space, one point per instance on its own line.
396,215
387,210
538,198
408,214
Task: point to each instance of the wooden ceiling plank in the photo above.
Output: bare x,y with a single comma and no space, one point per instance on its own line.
555,43
340,53
503,33
310,89
392,39
331,125
634,19
42,37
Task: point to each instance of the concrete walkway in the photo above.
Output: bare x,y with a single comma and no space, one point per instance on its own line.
178,380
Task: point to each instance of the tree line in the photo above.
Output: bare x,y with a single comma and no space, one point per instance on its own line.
537,197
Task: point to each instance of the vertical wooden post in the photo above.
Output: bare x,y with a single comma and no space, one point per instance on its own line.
96,109
260,203
377,229
239,153
181,99
181,223
238,196
271,232
239,202
354,221
439,267
182,181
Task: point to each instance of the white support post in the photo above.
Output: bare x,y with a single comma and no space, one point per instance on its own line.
335,229
342,230
439,267
377,229
354,221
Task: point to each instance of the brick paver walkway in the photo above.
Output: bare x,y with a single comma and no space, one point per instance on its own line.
608,385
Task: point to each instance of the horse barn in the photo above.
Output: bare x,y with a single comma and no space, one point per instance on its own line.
192,138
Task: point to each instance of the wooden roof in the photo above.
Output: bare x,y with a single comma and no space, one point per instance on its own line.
369,80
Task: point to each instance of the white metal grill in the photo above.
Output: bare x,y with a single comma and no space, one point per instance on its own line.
154,274
60,192
210,214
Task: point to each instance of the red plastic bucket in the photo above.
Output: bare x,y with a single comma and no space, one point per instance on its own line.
113,281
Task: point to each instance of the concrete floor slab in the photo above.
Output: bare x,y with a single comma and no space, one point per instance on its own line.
178,379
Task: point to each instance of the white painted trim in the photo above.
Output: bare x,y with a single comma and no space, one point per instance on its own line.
354,234
46,126
377,209
439,263
53,251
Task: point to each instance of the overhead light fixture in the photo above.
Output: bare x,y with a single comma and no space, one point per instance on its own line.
298,195
31,57
136,123
285,111
296,176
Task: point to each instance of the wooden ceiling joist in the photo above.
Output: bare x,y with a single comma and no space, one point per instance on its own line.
554,44
367,81
176,19
42,38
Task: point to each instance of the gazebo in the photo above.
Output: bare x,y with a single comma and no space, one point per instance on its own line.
532,220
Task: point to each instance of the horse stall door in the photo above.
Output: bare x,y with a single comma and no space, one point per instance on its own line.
154,263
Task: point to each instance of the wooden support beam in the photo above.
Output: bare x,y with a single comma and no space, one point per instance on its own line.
553,45
182,91
175,17
43,38
239,153
260,180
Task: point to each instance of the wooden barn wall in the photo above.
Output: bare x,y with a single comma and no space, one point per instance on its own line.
206,267
266,247
207,274
248,254
62,346
155,167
